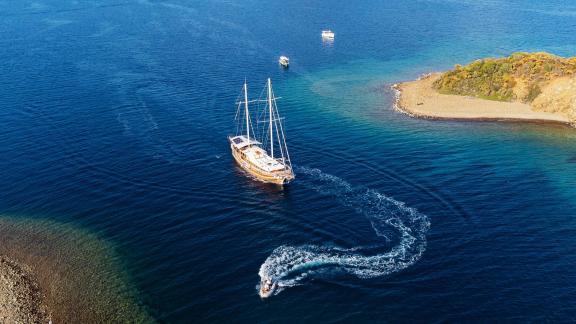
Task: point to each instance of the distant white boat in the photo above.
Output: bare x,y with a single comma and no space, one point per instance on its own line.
328,34
284,61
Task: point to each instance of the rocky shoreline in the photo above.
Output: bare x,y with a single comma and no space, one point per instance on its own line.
21,300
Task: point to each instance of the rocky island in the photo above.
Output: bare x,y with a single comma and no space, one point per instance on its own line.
521,87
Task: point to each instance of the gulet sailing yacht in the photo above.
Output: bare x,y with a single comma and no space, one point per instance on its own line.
257,157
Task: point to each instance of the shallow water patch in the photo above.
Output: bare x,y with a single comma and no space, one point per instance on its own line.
78,273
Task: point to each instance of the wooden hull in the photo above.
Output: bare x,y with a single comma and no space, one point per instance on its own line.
279,178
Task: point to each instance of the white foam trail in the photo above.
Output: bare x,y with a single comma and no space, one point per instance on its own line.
290,266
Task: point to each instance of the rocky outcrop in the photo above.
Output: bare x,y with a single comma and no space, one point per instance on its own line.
559,96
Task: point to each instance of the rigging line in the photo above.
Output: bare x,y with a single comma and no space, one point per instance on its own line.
285,145
251,101
238,107
252,128
271,116
258,100
279,139
275,119
247,111
263,113
284,140
236,117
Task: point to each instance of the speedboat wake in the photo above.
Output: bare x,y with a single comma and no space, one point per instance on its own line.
290,266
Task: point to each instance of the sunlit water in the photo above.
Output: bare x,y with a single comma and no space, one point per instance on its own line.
115,115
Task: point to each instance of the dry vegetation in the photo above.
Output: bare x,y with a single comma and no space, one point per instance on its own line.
545,81
498,78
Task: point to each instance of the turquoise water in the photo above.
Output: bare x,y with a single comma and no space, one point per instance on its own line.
116,115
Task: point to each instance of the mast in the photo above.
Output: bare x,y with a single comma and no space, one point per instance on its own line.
271,115
247,113
279,135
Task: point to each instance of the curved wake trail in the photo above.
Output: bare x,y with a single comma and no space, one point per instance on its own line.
290,266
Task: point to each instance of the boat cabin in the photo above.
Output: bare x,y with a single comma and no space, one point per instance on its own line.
284,61
241,142
327,34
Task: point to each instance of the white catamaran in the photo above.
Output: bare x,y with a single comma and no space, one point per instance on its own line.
249,152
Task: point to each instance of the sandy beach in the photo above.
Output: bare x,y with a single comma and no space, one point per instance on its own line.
419,99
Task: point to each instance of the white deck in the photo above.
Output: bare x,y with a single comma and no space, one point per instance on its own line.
256,155
284,60
327,34
262,160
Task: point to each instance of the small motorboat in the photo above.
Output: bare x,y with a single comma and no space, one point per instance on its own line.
328,34
267,288
284,61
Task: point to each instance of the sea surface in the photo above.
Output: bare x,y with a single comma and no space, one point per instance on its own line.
114,117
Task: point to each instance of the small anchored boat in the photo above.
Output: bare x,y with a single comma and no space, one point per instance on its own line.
328,34
250,153
284,61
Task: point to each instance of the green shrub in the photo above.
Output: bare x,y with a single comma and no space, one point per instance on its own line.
533,92
495,78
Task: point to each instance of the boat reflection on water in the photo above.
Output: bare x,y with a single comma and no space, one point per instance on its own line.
328,42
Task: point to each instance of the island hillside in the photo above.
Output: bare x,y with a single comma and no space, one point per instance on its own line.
523,86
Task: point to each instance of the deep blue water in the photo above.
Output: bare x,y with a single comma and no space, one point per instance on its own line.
114,116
